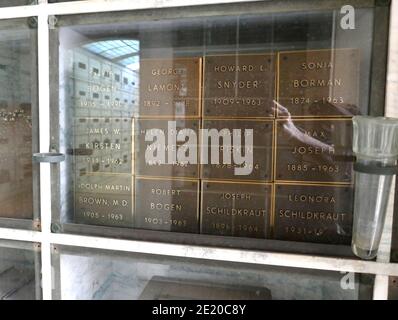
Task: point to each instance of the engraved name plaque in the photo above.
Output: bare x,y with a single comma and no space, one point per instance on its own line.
160,150
104,199
257,154
239,86
235,208
314,150
168,205
170,87
103,145
318,83
313,213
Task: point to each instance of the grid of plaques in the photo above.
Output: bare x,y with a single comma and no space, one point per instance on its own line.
248,145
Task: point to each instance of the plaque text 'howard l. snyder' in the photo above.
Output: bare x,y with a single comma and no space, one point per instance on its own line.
239,86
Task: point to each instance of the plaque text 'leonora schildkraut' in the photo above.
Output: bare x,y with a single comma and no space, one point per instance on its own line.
314,213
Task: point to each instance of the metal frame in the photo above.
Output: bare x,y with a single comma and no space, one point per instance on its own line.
381,268
31,24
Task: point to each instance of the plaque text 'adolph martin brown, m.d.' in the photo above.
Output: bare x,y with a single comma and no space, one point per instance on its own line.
104,199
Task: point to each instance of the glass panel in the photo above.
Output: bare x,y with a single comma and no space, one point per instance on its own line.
394,240
393,288
18,122
54,1
95,274
232,121
19,270
12,3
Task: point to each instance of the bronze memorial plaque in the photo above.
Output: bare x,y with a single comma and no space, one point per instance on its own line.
237,150
318,83
170,87
167,147
235,208
167,204
314,150
104,199
103,145
240,85
313,213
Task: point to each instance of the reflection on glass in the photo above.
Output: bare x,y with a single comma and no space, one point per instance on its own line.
104,78
12,3
293,79
17,94
19,271
101,275
103,86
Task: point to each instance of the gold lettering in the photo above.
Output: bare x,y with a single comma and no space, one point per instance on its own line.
312,215
234,68
166,192
164,87
311,83
312,150
165,206
311,198
243,212
249,84
237,196
316,65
